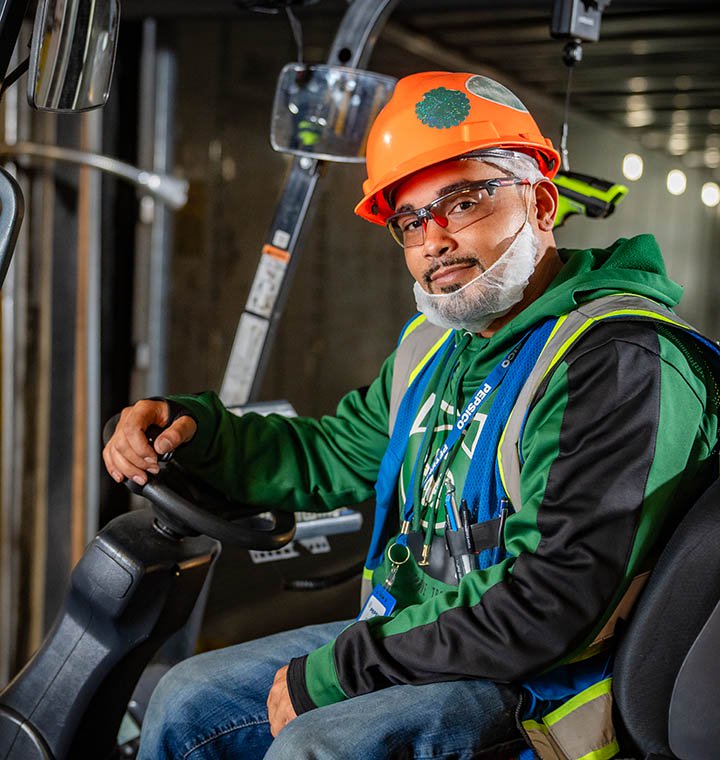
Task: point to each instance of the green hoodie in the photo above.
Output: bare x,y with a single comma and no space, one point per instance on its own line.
618,442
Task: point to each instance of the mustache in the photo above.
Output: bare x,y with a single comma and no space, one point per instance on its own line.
427,276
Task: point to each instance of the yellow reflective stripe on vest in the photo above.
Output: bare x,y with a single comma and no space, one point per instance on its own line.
580,729
429,355
418,341
603,754
501,469
594,320
592,692
569,329
412,326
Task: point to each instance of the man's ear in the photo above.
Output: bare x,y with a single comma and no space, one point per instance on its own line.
546,204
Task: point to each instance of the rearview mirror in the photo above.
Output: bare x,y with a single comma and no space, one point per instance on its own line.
325,112
72,53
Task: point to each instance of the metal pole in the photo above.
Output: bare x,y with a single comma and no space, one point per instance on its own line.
42,212
141,288
161,233
65,517
86,416
154,230
9,559
90,238
12,417
170,190
78,498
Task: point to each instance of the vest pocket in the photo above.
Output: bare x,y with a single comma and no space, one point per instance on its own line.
580,729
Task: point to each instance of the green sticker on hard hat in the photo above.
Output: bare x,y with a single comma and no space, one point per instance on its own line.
489,89
442,108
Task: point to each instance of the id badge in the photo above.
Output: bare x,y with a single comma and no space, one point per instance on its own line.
380,602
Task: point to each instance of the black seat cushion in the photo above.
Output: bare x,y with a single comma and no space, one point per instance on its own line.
679,597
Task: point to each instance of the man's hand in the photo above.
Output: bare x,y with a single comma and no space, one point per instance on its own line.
280,709
128,453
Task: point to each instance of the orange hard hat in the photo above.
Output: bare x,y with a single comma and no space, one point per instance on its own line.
436,116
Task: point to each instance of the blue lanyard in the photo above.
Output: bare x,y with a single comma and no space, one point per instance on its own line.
493,380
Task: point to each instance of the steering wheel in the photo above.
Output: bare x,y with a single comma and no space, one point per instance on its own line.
185,505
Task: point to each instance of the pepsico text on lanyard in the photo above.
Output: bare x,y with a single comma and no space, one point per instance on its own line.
468,414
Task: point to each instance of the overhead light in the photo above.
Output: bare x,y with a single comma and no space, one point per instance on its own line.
638,84
639,118
679,143
712,157
714,116
639,113
710,194
676,182
632,167
637,103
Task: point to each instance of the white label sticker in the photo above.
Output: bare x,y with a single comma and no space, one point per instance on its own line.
281,239
244,358
318,545
266,285
287,552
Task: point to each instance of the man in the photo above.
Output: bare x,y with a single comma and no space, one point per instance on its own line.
496,569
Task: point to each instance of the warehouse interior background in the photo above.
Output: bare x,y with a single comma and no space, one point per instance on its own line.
150,298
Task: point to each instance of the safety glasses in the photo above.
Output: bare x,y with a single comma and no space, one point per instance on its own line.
453,212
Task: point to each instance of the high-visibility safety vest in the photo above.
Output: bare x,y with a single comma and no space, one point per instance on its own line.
581,728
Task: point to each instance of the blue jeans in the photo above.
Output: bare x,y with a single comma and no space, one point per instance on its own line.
212,707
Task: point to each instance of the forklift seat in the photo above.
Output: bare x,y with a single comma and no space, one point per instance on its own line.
666,682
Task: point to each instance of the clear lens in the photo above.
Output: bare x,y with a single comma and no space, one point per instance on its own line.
452,212
407,228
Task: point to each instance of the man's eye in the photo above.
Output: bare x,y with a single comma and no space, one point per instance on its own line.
410,225
466,204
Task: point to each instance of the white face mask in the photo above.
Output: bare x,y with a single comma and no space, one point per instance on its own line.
476,305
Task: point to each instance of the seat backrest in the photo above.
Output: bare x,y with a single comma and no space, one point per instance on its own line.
679,598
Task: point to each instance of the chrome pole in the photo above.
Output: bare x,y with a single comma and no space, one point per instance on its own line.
161,233
13,378
154,230
41,212
90,233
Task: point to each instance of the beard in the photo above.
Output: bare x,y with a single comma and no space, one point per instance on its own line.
490,295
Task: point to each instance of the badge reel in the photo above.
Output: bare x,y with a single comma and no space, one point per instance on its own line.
381,601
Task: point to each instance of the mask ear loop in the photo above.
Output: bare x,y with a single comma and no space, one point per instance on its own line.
532,186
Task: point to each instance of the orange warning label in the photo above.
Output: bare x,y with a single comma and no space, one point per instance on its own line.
277,253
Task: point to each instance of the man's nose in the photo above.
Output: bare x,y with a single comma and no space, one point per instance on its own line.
438,240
